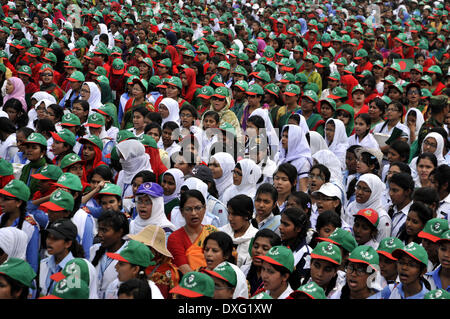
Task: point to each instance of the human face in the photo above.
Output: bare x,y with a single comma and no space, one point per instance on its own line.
136,183
343,116
424,168
193,212
9,87
260,247
137,92
5,289
285,140
238,223
393,156
78,110
182,165
76,169
110,202
222,289
398,195
33,152
20,139
154,132
444,254
408,269
50,114
282,183
88,152
326,111
264,204
213,254
237,176
329,132
172,92
394,94
47,77
209,122
350,162
163,110
95,130
288,230
429,145
360,127
85,92
325,203
392,113
9,204
56,246
168,184
126,271
272,279
392,170
358,97
218,103
363,192
41,111
186,118
362,230
413,94
316,179
138,121
413,224
388,268
374,111
144,206
58,147
322,271
357,275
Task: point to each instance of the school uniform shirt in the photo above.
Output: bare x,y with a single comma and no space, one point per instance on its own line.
113,289
106,269
268,167
376,294
397,292
302,258
285,293
49,267
444,208
8,148
368,141
218,209
399,218
272,222
434,279
31,228
242,243
86,230
174,148
383,128
339,145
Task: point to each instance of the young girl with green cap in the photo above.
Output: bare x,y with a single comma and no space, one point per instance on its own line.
16,278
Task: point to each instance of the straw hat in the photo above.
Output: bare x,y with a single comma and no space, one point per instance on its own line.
154,237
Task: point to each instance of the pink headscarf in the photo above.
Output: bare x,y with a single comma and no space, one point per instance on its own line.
261,46
18,92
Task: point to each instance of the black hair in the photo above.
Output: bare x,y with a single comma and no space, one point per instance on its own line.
170,125
84,104
404,181
104,171
23,213
328,217
369,160
7,126
366,118
290,171
154,117
200,75
147,176
137,288
303,199
429,156
225,243
22,117
441,176
153,125
242,205
398,106
404,168
299,218
212,114
380,104
141,109
191,193
118,222
45,126
402,148
369,79
257,120
374,229
424,213
267,188
191,109
59,111
16,286
426,195
323,169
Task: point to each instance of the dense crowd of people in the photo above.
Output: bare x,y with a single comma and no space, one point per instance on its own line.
259,149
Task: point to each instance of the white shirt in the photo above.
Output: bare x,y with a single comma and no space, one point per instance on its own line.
399,218
285,293
113,288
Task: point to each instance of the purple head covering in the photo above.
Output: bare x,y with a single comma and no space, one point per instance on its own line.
261,46
18,92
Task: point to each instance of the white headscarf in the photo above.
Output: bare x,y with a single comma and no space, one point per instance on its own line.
251,173
95,97
134,160
270,131
316,142
158,217
42,95
13,242
297,145
174,110
330,160
339,145
440,146
227,163
178,177
419,119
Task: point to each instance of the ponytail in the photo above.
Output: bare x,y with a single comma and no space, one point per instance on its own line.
99,254
76,249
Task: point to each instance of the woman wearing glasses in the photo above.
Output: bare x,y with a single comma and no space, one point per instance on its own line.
49,84
185,244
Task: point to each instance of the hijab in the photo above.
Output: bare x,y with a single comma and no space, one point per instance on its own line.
178,177
331,161
377,187
297,145
188,92
134,159
316,142
270,130
419,119
158,217
106,93
351,124
339,145
174,110
227,163
14,242
261,46
42,95
440,147
17,93
251,173
95,98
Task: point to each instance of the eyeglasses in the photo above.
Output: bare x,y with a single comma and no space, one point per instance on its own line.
236,172
4,198
312,176
413,92
323,198
85,91
363,189
47,74
217,98
144,202
185,115
426,142
358,270
191,209
392,110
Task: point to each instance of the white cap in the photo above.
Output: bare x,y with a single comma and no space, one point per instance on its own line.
330,190
255,6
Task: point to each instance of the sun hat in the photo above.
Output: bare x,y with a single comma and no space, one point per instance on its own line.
153,236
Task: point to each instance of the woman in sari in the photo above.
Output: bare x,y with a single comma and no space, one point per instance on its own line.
138,98
185,244
48,82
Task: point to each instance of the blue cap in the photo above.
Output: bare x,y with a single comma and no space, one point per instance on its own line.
152,189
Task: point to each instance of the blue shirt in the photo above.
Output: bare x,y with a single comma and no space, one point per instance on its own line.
437,279
53,268
386,292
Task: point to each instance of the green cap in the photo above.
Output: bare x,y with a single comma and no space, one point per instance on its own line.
70,119
434,69
75,269
427,79
225,272
64,136
147,140
263,75
33,52
312,57
49,172
335,76
16,188
110,189
361,53
76,76
135,253
241,84
66,290
124,135
388,245
70,181
437,294
341,61
195,284
99,71
292,90
342,238
327,251
311,95
358,87
18,270
175,81
364,254
95,120
311,289
60,200
240,70
433,229
221,92
6,168
93,139
36,138
280,256
414,251
132,70
166,63
70,159
262,295
288,78
445,236
255,89
272,88
206,92
224,65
